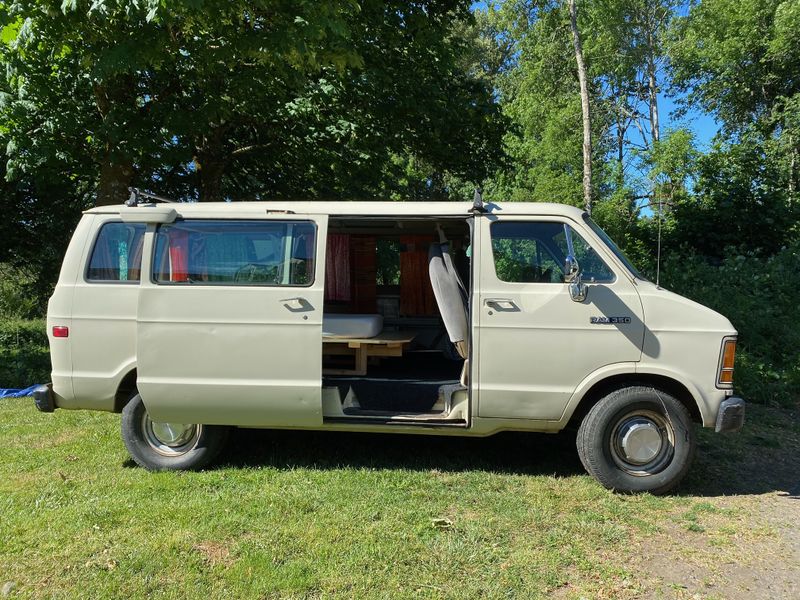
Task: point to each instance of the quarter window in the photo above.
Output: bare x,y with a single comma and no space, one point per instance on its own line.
534,252
273,253
117,253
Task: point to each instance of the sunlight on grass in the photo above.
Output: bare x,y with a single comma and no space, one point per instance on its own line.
291,514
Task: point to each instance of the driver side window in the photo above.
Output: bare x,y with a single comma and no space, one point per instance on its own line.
535,251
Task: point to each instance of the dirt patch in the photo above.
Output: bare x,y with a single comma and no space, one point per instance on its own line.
735,548
739,537
214,553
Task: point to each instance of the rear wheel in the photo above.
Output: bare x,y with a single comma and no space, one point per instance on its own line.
637,439
158,446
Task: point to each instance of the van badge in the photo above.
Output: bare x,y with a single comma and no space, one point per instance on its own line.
609,320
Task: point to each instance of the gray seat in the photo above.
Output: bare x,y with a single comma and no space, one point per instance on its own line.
451,296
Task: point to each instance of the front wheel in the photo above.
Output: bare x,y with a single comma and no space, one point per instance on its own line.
160,446
637,439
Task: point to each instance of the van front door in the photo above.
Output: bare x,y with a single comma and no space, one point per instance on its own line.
229,323
535,343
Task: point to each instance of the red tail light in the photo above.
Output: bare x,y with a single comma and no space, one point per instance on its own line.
60,331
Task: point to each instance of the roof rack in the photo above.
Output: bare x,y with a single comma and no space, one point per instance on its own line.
477,202
137,196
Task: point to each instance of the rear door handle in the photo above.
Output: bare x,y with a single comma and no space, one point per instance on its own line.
296,304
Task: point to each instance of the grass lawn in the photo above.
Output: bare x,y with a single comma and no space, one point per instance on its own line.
303,514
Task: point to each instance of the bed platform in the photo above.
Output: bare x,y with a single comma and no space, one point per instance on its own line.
386,343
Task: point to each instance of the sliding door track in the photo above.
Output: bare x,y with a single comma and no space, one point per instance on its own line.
394,421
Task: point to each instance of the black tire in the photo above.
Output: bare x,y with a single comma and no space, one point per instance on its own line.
651,412
199,445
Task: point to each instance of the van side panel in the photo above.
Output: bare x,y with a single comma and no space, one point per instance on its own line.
59,312
536,343
228,354
103,332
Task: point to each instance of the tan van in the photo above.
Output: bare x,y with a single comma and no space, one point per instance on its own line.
430,318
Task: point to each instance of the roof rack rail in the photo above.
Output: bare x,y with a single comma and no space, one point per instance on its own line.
138,195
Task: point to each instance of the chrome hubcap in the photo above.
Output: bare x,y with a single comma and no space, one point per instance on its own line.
642,443
170,439
640,440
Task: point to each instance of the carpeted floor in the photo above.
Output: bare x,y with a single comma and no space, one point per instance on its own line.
410,383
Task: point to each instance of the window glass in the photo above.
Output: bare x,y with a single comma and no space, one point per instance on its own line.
534,252
117,253
236,253
614,248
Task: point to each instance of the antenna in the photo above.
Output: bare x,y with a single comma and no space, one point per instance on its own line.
658,244
137,195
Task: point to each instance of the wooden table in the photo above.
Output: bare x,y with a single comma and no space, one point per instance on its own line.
386,343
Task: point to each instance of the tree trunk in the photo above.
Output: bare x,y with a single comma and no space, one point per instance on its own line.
115,178
210,171
587,119
116,174
652,86
211,162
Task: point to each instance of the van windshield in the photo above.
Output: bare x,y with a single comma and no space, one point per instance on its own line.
614,248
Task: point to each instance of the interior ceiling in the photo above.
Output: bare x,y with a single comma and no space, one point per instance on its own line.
392,228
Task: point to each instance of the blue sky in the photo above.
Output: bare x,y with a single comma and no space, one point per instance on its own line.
703,125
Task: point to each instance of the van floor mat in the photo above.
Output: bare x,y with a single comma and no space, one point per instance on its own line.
389,395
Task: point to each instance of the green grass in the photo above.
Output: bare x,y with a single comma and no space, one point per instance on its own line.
304,514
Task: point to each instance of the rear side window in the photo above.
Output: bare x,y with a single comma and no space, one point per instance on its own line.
273,253
117,253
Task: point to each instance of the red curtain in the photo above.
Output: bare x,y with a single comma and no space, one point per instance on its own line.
416,293
365,269
178,254
337,268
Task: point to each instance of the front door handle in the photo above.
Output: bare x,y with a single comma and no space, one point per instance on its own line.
502,304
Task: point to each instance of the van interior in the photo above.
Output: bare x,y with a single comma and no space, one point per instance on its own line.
395,342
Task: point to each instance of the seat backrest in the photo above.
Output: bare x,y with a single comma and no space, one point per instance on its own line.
451,296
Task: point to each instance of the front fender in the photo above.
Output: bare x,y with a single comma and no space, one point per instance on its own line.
630,371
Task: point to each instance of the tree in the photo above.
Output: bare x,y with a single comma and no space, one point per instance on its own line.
585,107
738,60
227,100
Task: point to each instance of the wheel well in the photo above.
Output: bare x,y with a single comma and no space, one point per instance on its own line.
126,389
606,386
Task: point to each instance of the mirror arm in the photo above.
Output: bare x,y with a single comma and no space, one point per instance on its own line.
572,271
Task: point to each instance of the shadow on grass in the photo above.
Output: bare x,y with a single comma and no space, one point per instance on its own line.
763,458
512,453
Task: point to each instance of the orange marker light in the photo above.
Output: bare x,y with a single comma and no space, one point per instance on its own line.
728,360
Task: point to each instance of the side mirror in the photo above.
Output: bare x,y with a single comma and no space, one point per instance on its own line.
572,275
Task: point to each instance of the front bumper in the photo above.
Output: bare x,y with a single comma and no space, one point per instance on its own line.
731,415
44,399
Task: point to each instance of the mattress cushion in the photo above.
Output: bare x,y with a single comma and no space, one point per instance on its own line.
352,326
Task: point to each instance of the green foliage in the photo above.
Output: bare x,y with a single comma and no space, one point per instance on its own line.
17,294
541,99
759,295
737,58
24,353
738,200
238,100
388,258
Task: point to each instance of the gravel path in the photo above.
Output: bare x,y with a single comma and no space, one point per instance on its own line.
740,536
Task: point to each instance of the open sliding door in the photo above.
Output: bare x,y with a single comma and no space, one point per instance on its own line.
229,324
